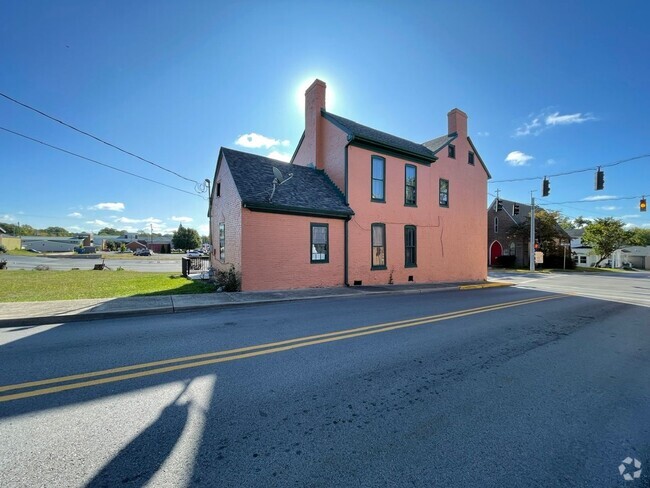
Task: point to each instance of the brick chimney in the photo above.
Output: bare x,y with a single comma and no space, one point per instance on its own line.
314,102
457,121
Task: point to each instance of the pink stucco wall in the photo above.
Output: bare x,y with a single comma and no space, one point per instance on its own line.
227,209
276,252
450,241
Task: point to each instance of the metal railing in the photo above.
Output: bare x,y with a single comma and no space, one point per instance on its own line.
195,265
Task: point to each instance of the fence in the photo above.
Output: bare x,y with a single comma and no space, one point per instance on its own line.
195,265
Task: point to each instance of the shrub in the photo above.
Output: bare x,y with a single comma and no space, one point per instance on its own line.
3,249
506,261
229,280
555,261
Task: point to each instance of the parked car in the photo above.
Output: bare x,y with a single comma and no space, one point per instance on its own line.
194,254
143,252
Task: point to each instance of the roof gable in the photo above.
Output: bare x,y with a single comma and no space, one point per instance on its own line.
308,191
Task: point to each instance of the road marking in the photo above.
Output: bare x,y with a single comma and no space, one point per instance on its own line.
242,353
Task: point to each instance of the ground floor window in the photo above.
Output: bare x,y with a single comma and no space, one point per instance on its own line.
222,242
378,246
583,259
319,243
410,248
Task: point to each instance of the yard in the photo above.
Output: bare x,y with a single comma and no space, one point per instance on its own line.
32,285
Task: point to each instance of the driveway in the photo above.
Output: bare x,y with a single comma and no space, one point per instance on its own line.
156,263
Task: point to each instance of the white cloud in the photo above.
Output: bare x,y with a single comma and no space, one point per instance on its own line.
182,219
76,215
529,128
517,158
98,222
254,140
608,208
113,206
597,198
204,229
632,216
280,156
540,122
557,119
75,228
7,218
551,162
483,134
148,220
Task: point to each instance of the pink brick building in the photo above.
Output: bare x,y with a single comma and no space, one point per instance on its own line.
355,206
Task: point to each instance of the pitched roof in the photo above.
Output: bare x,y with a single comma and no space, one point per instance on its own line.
524,213
438,143
308,192
575,233
368,134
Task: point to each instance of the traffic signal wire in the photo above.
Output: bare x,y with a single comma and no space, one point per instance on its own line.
40,112
566,173
98,162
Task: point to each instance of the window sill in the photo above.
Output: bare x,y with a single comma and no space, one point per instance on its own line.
378,268
377,201
414,205
410,265
320,262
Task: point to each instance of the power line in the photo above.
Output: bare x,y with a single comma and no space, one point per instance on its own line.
98,162
97,138
608,165
604,200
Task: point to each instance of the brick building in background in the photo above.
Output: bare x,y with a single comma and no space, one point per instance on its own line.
354,206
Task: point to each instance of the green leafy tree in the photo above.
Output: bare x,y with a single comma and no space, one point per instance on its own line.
579,222
56,231
640,237
186,238
606,235
110,231
548,232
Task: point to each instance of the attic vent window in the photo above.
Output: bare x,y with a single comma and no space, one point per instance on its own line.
218,188
470,158
451,151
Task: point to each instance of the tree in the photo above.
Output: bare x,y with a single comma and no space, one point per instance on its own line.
186,238
110,231
56,231
606,235
547,232
580,222
640,237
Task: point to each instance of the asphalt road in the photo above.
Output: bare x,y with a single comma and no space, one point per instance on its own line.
167,263
495,387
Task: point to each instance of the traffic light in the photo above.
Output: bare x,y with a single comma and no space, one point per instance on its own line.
642,205
546,187
600,179
499,205
515,209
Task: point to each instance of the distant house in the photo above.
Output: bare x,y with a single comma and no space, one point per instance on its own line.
159,245
10,243
584,256
501,223
355,206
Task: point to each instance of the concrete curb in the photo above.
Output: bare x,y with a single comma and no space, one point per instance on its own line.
92,316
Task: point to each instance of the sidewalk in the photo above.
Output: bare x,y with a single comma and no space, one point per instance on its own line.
20,314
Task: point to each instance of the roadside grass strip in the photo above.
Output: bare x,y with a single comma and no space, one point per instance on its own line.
82,380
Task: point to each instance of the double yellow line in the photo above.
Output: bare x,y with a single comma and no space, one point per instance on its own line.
75,381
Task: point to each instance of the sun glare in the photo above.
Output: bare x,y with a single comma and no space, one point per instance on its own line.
330,95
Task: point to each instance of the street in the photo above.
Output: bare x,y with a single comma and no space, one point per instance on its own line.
156,263
541,384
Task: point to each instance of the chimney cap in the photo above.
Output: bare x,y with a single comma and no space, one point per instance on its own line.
316,82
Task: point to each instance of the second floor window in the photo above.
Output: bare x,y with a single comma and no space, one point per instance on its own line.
378,237
410,248
470,158
378,179
451,151
410,185
443,198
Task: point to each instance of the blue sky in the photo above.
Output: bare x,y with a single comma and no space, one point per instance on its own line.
549,87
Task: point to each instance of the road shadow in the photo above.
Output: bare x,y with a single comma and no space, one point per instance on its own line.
141,459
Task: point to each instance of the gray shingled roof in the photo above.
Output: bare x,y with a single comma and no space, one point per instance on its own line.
435,145
309,191
369,134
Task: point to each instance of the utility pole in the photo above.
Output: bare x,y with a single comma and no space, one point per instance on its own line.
532,232
207,182
151,245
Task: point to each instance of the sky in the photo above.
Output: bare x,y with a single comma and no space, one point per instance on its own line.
549,87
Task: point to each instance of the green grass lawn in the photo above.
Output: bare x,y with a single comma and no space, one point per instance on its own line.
21,252
36,286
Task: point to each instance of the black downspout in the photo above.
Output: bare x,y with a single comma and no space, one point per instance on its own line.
345,227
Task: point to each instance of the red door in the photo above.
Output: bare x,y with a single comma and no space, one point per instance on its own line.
495,251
